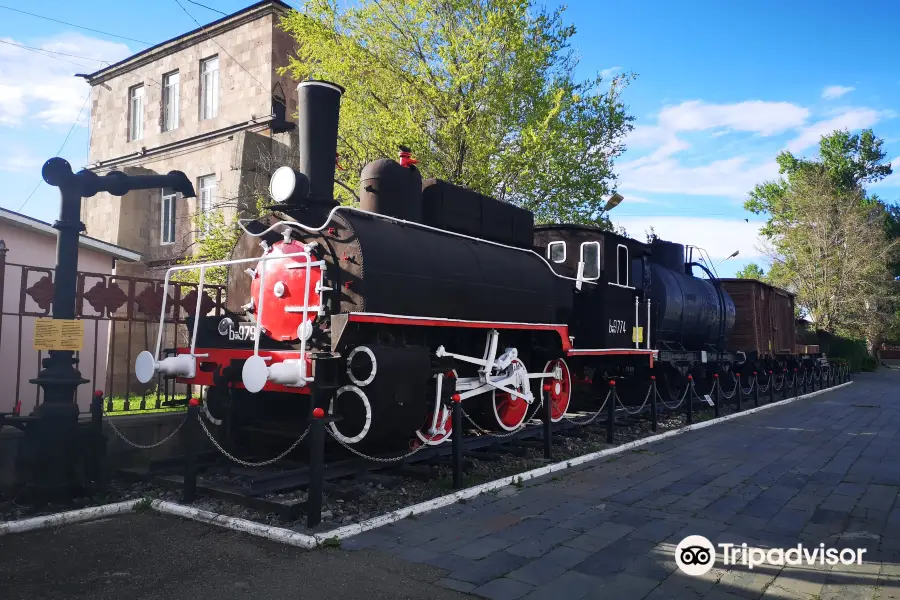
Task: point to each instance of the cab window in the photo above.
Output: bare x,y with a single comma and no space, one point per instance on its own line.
556,252
590,256
623,264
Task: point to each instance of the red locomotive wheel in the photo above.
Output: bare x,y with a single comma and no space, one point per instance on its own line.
560,389
509,410
444,425
443,430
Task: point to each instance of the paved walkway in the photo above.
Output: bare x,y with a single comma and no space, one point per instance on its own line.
148,556
823,470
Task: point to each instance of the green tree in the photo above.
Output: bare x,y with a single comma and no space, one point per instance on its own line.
751,271
830,241
850,161
215,239
483,91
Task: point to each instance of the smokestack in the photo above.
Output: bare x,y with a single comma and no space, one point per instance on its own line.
318,107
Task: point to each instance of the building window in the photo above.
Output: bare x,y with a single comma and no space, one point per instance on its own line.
171,98
167,217
207,194
590,256
136,112
209,88
556,252
622,267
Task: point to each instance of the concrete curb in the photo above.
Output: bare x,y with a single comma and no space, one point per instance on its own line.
301,540
73,516
276,534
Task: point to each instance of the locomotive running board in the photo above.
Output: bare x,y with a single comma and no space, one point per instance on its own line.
652,354
339,323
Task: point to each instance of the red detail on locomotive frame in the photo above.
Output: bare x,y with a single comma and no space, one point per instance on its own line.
285,289
222,357
562,330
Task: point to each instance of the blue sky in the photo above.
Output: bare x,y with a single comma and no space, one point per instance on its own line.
722,87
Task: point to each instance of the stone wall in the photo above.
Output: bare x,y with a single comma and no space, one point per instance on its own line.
246,75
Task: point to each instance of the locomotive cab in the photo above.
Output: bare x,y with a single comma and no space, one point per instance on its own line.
610,271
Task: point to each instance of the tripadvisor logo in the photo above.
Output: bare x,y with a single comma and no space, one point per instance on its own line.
696,555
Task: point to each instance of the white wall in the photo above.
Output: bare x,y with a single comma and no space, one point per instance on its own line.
18,361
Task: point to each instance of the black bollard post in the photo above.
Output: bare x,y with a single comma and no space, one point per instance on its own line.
771,387
456,440
316,467
653,416
718,398
95,464
690,401
783,383
189,491
548,422
755,385
739,388
611,411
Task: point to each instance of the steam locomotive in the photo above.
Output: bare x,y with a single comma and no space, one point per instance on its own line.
382,314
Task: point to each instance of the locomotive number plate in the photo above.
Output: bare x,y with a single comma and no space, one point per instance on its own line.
616,326
242,332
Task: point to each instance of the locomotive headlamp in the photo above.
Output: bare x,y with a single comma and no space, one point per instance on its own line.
225,326
288,185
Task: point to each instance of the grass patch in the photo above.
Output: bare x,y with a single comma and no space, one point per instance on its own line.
136,401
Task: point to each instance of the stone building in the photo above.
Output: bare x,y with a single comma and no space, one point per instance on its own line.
209,103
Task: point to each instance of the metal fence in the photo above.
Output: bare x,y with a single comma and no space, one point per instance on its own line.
121,318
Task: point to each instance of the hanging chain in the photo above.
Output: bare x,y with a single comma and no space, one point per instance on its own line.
750,389
729,396
141,446
593,417
244,462
373,458
683,396
639,410
780,385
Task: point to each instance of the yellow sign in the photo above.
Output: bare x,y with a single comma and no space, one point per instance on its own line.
58,334
637,334
71,335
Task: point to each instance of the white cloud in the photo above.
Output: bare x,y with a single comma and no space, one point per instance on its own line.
662,171
836,91
19,161
730,177
607,73
632,199
719,237
764,118
853,118
36,87
752,116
